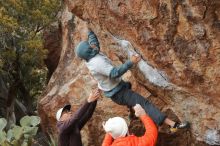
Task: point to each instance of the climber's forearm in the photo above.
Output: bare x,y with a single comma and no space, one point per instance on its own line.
119,71
92,39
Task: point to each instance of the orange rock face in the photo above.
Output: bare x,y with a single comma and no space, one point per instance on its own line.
52,43
179,42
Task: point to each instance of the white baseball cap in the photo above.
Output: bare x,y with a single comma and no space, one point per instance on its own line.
116,127
59,112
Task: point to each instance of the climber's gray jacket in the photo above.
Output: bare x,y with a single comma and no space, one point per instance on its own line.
107,76
105,73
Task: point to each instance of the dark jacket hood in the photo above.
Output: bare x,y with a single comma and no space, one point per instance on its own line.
84,51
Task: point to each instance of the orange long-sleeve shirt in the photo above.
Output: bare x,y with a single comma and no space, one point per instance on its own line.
148,139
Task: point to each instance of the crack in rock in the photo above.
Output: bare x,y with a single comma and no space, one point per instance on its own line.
152,74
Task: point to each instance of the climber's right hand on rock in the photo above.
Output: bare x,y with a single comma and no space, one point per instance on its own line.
94,95
139,111
135,58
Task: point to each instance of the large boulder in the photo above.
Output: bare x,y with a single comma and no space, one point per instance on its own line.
179,41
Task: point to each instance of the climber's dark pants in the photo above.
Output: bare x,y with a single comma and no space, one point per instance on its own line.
128,97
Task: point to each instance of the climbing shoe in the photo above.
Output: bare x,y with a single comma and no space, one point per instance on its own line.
177,126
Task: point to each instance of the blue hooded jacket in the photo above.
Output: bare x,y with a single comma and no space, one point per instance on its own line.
84,50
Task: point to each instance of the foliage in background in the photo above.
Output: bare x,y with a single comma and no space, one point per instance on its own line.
21,46
19,135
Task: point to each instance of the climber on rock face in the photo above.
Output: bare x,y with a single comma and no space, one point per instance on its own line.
110,82
117,131
69,124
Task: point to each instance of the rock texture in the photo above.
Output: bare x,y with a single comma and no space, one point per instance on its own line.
179,41
52,43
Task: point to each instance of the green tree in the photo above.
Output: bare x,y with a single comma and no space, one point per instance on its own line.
22,55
